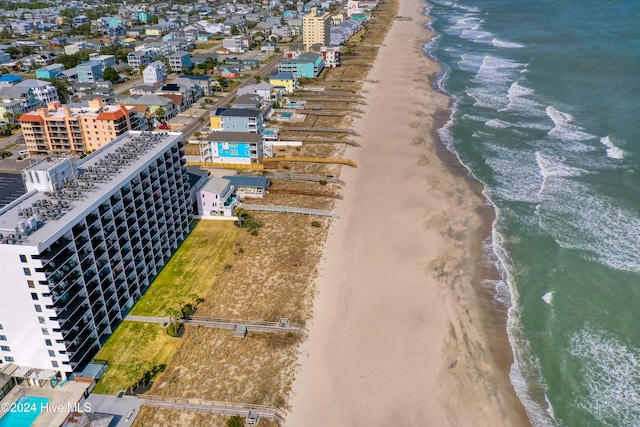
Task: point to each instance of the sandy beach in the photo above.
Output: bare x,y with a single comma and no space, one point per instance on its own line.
401,334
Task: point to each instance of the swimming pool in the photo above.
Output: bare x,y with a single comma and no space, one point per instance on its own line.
24,412
286,115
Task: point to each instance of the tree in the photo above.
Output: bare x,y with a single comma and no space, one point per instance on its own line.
160,112
13,51
201,120
154,20
234,30
258,78
197,134
111,75
62,86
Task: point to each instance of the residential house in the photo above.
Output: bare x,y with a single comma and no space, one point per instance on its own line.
249,186
94,90
76,47
80,20
138,59
330,55
142,90
231,147
285,80
228,74
203,83
155,105
14,101
154,73
216,198
44,92
104,60
237,120
49,72
237,44
179,60
89,71
9,80
70,75
264,90
307,65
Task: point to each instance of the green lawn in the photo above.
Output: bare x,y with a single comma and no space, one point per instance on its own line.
192,269
133,349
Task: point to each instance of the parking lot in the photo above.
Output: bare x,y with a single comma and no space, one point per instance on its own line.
11,187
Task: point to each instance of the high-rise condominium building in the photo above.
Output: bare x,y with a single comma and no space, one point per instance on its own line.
78,250
60,129
316,28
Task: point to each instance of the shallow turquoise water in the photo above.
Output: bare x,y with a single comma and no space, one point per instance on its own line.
546,116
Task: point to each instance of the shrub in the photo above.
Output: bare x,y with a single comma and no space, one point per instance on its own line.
235,421
322,182
187,310
315,223
173,330
254,232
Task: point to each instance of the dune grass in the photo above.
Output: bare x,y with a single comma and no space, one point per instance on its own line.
192,269
133,349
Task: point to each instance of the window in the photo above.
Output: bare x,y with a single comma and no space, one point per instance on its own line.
1,327
31,284
3,338
5,348
233,152
54,363
23,258
8,359
27,272
45,331
34,296
52,353
38,308
40,319
48,342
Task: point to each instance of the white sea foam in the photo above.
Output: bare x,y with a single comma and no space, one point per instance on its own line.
548,297
498,124
516,177
578,218
520,102
563,129
611,374
494,77
505,44
470,62
612,151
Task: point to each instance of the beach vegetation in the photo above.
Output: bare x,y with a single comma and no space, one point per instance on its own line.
235,421
315,223
322,182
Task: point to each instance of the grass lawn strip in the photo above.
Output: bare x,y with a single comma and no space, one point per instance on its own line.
192,269
133,349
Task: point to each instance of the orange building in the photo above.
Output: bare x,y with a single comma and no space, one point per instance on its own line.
58,129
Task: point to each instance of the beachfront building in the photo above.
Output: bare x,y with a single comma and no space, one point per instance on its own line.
316,27
266,91
330,55
216,198
249,186
237,120
285,81
231,147
81,247
307,65
62,129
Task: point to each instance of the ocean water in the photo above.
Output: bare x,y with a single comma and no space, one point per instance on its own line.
546,113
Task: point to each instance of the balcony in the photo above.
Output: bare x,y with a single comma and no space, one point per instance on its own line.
55,249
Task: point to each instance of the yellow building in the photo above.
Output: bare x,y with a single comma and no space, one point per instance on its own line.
216,123
284,80
58,129
316,28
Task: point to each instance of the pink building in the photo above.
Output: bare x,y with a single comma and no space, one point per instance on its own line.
217,198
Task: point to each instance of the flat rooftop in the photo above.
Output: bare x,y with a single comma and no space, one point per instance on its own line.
97,175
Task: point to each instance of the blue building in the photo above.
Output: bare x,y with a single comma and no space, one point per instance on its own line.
49,72
307,65
231,147
179,60
10,79
89,71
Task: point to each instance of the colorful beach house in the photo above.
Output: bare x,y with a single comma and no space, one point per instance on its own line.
285,80
249,120
49,72
216,198
307,65
231,147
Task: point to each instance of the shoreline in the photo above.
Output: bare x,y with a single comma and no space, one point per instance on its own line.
456,389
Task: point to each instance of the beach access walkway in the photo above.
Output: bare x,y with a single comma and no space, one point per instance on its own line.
240,327
252,413
288,209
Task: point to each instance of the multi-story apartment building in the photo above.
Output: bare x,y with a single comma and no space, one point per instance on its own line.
104,60
60,129
316,28
307,65
44,92
179,60
137,59
231,147
81,247
89,72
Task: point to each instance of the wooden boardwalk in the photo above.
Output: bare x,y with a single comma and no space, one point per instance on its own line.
248,325
297,177
310,160
289,209
252,413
